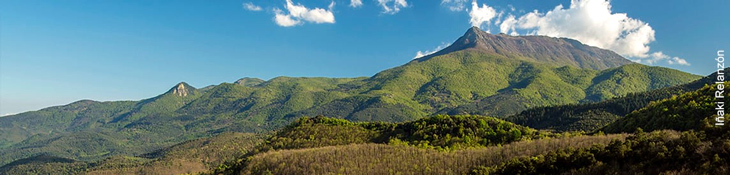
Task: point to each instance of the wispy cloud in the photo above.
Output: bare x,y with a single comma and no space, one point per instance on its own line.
251,7
392,6
659,56
454,5
420,54
298,14
355,3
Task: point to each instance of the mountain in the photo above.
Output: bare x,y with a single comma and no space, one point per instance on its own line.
466,78
572,86
554,51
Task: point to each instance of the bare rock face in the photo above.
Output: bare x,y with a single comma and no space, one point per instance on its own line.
182,89
555,51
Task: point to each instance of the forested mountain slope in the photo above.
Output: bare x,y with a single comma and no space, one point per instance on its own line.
591,116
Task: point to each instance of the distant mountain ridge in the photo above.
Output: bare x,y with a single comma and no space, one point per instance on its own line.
517,75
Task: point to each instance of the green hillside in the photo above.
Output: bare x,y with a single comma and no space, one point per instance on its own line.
171,118
689,111
659,152
702,147
591,116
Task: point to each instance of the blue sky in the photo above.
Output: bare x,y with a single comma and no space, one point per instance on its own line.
57,52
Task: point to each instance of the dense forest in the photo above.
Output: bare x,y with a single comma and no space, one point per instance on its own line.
589,117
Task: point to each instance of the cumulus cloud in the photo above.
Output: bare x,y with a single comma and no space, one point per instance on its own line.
454,5
592,22
298,14
355,3
508,25
392,6
420,54
659,56
251,7
481,15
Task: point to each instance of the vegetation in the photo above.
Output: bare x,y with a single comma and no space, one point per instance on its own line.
689,111
659,152
444,144
400,159
592,116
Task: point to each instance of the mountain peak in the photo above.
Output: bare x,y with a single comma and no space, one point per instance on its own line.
473,30
472,38
544,49
182,89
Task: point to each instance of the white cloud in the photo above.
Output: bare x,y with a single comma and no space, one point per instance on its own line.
454,5
284,20
508,25
659,56
592,22
251,7
392,6
420,54
481,15
355,3
297,14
